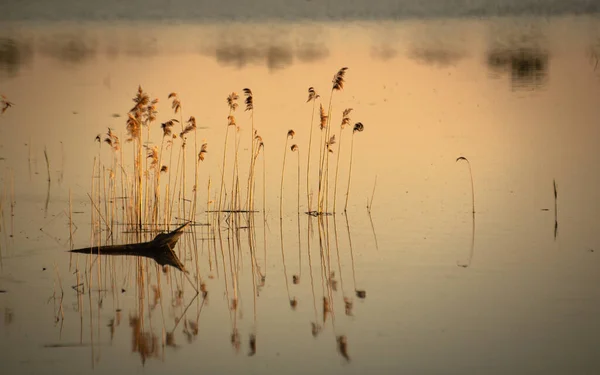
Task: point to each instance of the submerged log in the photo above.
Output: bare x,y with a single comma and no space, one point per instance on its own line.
160,249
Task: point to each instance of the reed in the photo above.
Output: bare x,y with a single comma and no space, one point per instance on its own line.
134,129
296,278
323,119
250,108
233,105
471,175
338,82
47,163
312,97
358,127
555,208
290,134
295,149
345,122
370,202
1,225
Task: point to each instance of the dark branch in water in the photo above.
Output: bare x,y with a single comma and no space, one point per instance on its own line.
160,249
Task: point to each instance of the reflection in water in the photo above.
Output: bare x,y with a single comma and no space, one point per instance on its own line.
437,56
472,249
518,49
528,67
152,286
273,56
144,343
438,44
69,49
555,209
13,55
9,316
384,52
312,52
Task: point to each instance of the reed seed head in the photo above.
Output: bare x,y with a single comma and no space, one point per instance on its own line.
230,120
249,99
291,133
232,101
191,126
203,151
175,102
112,140
338,79
329,143
312,94
153,154
166,126
164,168
358,127
323,116
346,117
294,148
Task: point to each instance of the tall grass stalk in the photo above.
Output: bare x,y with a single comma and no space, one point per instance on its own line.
250,107
338,84
358,127
290,134
471,175
232,104
312,96
344,123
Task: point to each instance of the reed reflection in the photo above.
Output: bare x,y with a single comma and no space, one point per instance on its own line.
153,332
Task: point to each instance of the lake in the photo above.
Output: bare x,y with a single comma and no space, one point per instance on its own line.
454,231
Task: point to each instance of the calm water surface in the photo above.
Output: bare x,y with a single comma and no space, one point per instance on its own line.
506,290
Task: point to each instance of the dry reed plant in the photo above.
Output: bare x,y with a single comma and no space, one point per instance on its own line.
312,97
250,107
358,127
555,208
233,105
290,134
345,122
471,175
338,82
